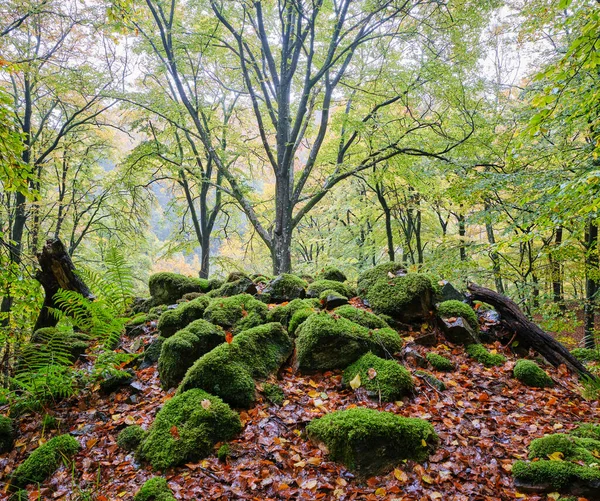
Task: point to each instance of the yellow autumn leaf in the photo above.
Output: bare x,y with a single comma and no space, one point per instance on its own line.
423,443
556,456
400,475
355,383
380,492
435,495
428,479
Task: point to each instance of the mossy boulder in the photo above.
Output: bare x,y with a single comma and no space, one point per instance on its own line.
243,285
273,393
330,299
283,313
186,429
587,430
298,318
325,342
178,318
155,489
407,298
131,437
7,434
285,287
223,453
454,308
370,442
230,369
190,296
586,354
384,380
167,288
179,352
236,313
530,374
481,354
384,271
44,460
331,273
152,352
431,380
361,317
319,286
439,362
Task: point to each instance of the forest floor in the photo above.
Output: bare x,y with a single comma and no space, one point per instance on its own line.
485,419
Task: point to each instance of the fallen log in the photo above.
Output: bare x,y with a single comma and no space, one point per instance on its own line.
57,271
528,333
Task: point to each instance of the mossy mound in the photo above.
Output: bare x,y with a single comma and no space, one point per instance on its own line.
439,363
230,369
179,352
324,342
7,434
155,489
236,313
186,429
273,393
190,296
242,285
530,374
587,430
371,442
384,380
479,353
331,273
131,437
454,308
178,318
152,351
298,318
382,271
571,447
285,287
223,453
319,286
361,317
554,475
283,313
44,460
407,298
586,354
167,288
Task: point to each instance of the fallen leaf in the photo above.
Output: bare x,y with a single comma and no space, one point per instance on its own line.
372,373
355,383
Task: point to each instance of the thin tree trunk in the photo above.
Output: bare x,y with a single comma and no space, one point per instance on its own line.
556,270
494,256
462,233
591,282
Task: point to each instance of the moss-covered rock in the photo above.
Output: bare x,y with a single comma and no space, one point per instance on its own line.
553,475
530,374
152,351
223,453
283,313
44,460
369,277
180,351
454,308
285,287
273,393
371,442
178,318
361,317
384,380
166,288
298,318
236,313
331,273
114,380
439,362
214,283
330,299
479,353
318,286
230,369
186,429
7,434
155,489
586,354
190,296
131,437
587,430
243,285
431,380
324,342
407,298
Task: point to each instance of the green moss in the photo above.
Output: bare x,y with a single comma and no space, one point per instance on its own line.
190,296
200,421
439,363
155,489
431,379
389,381
324,342
178,318
370,442
454,308
587,430
139,319
236,313
223,453
166,288
131,437
180,351
284,313
152,351
230,369
329,292
242,285
479,353
556,474
285,287
7,434
530,374
298,318
318,286
44,460
407,298
331,273
361,317
214,283
586,354
368,278
273,393
559,442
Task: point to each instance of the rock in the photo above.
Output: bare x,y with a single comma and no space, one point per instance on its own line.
167,288
178,318
431,379
448,292
236,313
361,317
285,287
284,313
331,299
116,380
426,339
241,286
453,308
382,271
131,437
7,434
152,352
418,359
331,273
530,374
479,353
458,331
440,363
316,288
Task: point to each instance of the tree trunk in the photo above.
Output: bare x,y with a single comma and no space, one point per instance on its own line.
388,221
494,256
462,232
556,270
591,282
57,272
205,257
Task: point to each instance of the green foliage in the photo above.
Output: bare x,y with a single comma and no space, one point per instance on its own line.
530,373
200,421
479,353
370,442
44,460
361,317
49,422
439,363
316,288
586,354
176,319
274,393
331,273
7,434
454,308
384,380
587,430
239,312
155,489
130,438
